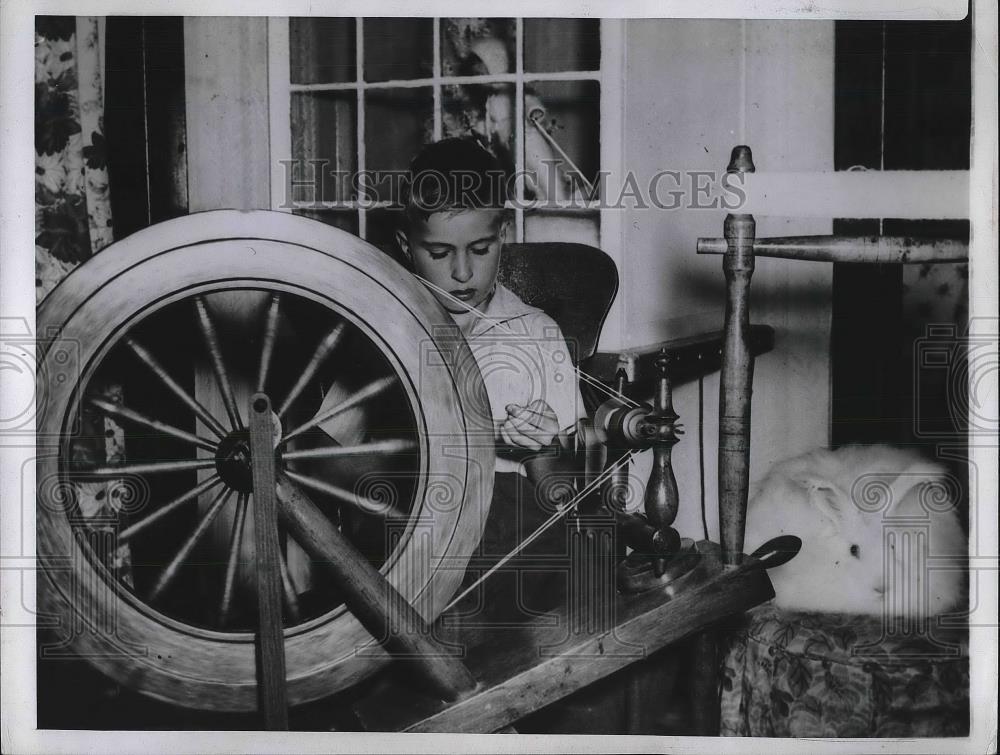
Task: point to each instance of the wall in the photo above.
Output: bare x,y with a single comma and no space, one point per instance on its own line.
694,89
225,64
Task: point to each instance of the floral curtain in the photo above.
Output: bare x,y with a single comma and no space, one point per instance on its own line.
73,222
72,205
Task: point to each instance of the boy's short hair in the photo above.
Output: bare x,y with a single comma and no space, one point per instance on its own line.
458,173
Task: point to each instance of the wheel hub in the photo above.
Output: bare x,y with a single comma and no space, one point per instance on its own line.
232,461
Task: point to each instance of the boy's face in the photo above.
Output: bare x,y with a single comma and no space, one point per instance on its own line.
458,251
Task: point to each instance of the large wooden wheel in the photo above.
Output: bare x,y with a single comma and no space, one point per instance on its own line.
152,305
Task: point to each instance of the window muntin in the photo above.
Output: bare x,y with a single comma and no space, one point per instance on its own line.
365,94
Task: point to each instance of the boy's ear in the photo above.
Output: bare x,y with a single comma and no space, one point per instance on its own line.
505,225
404,244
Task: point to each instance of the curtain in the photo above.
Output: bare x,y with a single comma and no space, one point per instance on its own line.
72,205
72,223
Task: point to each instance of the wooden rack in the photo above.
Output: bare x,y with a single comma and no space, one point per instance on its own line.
739,248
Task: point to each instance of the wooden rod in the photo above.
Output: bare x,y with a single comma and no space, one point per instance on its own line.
218,363
363,503
389,446
326,346
190,401
168,574
868,249
736,380
386,614
156,467
270,629
235,543
157,515
372,389
267,348
127,415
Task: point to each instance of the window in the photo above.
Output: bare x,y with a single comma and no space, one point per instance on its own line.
351,96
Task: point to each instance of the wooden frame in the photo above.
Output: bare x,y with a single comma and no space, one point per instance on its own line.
739,248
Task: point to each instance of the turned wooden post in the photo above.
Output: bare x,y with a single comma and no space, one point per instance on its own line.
662,499
736,381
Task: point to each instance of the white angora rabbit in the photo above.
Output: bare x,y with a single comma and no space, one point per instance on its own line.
879,528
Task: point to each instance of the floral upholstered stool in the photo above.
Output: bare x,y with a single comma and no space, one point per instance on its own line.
791,674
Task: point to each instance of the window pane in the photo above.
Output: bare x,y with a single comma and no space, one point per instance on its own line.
581,226
477,46
346,220
562,44
572,119
486,110
324,130
398,48
322,50
398,122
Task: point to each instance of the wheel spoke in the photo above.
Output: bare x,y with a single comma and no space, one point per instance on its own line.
267,349
158,467
161,512
215,353
190,401
324,350
291,599
370,390
394,446
185,550
365,504
128,415
235,544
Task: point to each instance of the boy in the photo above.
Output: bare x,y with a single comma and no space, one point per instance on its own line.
455,227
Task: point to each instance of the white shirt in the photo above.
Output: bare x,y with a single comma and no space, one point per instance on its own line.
522,355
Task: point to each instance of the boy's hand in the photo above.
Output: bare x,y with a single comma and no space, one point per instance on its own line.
532,427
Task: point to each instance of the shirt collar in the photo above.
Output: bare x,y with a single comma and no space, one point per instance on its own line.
504,306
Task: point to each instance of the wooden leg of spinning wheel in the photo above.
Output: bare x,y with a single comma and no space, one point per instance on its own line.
386,614
271,639
704,685
736,376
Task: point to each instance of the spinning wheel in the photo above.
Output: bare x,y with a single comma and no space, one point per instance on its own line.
178,627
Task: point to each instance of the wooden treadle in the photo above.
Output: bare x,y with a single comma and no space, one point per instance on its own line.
522,669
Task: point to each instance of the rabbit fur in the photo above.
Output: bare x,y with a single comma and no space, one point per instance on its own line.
851,508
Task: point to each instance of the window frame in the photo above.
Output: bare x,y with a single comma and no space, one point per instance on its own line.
609,78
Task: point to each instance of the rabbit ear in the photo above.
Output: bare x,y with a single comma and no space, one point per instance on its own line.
827,498
916,474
